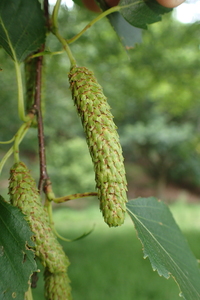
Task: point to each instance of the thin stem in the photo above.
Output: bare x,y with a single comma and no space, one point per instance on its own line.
37,106
18,138
72,240
8,142
28,294
55,14
5,158
21,110
47,188
43,53
98,18
74,196
50,212
65,46
55,31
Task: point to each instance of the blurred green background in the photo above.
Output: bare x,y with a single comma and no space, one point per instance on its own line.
154,95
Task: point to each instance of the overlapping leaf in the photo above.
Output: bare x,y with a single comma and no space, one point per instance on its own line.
22,27
16,260
128,35
133,13
140,13
165,245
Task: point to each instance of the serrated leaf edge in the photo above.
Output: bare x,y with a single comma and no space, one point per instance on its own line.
155,269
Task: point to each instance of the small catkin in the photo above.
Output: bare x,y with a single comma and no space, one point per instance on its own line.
57,286
24,194
103,142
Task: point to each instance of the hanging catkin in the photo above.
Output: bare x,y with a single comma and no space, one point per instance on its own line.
103,143
24,194
55,286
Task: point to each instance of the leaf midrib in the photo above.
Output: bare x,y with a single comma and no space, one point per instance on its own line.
9,41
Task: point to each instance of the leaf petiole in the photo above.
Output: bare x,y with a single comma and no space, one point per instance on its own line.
8,142
99,17
17,140
50,213
75,239
74,196
5,158
55,31
46,52
21,110
65,46
28,294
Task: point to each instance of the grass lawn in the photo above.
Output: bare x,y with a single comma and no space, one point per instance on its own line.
108,264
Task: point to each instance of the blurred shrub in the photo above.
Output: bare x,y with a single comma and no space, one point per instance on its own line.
70,167
164,148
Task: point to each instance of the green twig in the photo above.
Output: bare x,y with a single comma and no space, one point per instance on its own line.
21,110
50,213
48,190
46,52
48,206
55,31
99,17
8,142
28,294
75,239
55,14
5,158
74,196
17,140
65,46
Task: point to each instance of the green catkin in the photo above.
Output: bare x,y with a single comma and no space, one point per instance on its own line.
24,194
103,142
55,286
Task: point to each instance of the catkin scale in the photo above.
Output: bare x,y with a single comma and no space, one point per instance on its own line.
24,194
103,143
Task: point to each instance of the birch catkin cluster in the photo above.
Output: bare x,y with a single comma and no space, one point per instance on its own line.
24,194
103,142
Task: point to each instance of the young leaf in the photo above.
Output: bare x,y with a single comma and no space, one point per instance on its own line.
22,27
128,35
16,260
140,13
165,245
